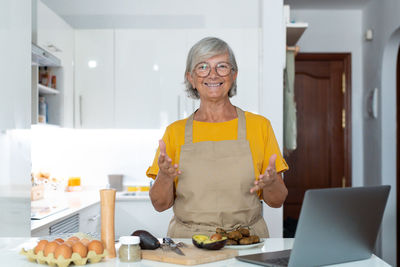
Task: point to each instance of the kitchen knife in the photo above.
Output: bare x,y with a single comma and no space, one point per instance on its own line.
171,244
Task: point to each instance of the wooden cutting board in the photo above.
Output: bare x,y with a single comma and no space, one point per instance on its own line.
193,255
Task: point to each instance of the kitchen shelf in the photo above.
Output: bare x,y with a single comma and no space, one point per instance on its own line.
294,31
47,90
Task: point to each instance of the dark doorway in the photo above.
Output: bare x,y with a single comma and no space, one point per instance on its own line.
323,155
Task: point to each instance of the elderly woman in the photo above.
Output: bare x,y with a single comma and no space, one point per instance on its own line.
214,166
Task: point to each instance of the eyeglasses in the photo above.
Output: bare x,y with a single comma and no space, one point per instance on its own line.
203,69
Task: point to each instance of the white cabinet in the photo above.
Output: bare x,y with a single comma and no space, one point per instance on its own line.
86,220
57,37
90,219
94,78
129,78
49,29
132,215
14,66
149,67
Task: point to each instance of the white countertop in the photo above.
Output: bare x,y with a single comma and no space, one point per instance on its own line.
74,202
10,248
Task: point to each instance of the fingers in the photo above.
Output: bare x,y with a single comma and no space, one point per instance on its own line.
272,160
165,162
163,150
266,179
258,184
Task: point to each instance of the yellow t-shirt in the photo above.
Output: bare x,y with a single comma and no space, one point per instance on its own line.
259,133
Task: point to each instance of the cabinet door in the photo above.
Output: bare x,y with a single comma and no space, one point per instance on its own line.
15,54
94,78
149,70
131,215
89,219
44,231
50,30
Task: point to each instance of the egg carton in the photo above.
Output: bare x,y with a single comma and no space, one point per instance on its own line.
76,259
91,257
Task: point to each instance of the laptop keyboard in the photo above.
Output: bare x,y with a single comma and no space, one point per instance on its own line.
278,261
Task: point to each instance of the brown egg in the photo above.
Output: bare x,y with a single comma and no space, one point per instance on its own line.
73,239
40,246
96,246
59,240
50,247
69,243
85,241
63,250
80,248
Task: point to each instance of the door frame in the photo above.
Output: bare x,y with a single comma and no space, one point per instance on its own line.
346,59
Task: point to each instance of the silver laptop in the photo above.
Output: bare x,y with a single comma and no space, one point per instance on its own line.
336,225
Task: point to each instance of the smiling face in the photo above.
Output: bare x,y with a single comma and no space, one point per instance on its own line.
213,87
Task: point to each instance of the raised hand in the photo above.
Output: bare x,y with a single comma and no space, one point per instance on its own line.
268,178
165,162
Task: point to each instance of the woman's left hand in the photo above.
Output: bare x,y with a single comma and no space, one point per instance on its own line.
268,178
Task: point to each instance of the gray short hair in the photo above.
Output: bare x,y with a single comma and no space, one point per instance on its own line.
202,50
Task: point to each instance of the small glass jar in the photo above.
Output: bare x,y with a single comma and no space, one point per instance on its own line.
129,251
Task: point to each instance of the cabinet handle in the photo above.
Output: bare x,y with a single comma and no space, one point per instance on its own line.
80,111
94,218
53,48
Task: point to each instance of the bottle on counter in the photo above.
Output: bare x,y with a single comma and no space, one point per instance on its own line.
129,251
42,118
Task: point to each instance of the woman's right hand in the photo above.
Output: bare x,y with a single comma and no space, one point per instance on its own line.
165,163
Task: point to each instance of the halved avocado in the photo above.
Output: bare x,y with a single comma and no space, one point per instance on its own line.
203,241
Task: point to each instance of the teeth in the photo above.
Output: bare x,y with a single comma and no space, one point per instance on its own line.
213,84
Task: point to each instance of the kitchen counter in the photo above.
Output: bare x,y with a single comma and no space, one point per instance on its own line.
10,248
69,203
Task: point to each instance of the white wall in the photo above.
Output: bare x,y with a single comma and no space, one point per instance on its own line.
15,68
380,58
272,61
340,31
92,154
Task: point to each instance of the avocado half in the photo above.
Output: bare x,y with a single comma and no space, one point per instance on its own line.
203,241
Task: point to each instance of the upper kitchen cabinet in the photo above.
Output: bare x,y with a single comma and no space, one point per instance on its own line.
134,78
149,70
15,50
53,34
94,78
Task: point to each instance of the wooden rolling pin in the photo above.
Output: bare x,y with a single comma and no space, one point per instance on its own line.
107,202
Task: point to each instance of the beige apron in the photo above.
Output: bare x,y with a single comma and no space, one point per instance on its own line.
214,187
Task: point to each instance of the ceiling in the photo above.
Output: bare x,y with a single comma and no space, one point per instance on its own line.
326,4
110,13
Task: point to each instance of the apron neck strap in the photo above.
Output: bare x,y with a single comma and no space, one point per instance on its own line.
241,127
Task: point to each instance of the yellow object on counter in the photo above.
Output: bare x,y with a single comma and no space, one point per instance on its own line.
138,188
74,181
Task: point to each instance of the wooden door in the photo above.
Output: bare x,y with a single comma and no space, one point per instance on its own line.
323,155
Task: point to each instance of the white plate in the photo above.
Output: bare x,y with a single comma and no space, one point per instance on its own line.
247,246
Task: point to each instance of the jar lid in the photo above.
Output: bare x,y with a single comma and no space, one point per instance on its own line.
129,240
